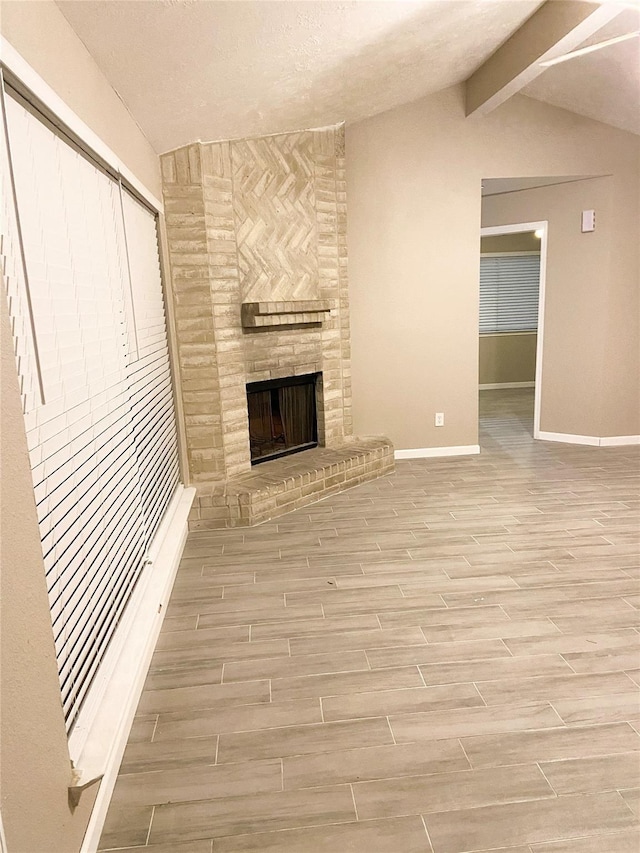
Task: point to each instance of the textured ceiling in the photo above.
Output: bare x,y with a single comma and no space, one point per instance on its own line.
219,69
604,85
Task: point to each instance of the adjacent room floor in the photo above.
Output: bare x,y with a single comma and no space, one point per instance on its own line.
443,660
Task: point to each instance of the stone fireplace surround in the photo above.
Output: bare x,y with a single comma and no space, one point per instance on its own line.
256,235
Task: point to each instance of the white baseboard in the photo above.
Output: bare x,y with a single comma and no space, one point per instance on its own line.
496,386
568,438
619,440
98,739
592,440
426,452
3,840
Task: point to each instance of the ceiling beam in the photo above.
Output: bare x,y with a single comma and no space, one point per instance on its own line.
557,27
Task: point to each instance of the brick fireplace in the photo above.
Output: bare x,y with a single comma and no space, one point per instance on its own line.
258,265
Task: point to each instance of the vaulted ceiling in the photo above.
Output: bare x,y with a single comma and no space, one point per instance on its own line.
219,69
604,85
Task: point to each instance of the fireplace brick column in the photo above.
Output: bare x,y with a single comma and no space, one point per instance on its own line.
226,301
256,220
205,287
331,205
191,290
345,329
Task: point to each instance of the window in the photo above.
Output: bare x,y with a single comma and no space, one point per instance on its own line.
87,309
509,290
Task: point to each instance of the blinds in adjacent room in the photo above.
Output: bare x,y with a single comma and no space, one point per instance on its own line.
509,289
103,442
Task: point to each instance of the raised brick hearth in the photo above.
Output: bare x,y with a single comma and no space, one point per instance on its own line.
292,482
257,246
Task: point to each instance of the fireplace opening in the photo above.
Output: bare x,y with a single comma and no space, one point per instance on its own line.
282,416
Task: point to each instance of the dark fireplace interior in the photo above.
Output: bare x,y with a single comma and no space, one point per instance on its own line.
282,416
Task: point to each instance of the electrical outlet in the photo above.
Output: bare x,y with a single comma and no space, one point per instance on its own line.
439,418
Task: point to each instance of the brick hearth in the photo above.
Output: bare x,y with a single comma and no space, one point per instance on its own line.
292,482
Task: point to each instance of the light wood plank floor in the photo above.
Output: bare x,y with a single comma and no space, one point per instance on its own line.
441,661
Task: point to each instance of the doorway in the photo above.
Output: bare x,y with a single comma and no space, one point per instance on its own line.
512,312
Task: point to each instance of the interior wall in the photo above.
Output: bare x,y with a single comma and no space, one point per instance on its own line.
621,367
42,36
35,771
413,181
518,242
507,358
578,281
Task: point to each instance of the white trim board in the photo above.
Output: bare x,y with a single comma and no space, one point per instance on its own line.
496,386
43,91
98,739
619,440
427,452
591,440
517,228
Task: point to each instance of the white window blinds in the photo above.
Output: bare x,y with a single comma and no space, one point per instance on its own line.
151,391
509,288
14,282
103,443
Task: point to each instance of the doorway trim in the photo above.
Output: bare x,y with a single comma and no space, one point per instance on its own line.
518,228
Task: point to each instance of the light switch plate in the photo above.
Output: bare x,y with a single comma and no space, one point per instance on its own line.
588,220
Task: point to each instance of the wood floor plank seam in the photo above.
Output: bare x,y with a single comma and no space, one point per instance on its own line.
468,626
427,833
541,769
153,810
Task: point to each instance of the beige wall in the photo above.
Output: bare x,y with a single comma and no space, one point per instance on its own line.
38,30
35,769
413,183
507,358
577,290
524,242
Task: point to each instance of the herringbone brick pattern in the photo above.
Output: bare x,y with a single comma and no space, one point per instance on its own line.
275,215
